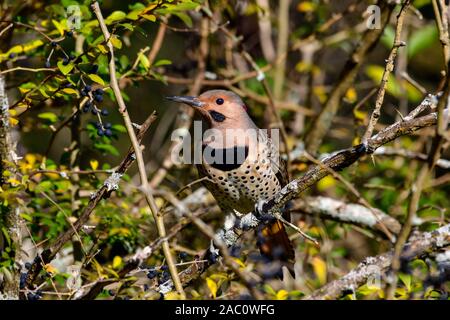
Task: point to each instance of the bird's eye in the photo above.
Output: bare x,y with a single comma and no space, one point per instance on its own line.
219,101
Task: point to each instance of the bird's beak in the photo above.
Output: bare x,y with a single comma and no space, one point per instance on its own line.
189,100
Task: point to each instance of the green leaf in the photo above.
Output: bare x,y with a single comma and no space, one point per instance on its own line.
6,234
406,279
388,37
144,61
422,39
127,26
44,186
119,128
376,73
107,148
50,116
65,69
26,217
115,16
162,62
96,78
184,17
134,15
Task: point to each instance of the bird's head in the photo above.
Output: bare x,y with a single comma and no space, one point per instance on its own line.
220,108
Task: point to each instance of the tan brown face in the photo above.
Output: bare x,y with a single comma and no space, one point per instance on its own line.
216,106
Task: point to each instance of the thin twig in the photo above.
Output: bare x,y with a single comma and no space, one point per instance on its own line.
145,188
387,71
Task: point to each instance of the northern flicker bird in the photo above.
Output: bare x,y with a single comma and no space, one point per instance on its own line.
241,163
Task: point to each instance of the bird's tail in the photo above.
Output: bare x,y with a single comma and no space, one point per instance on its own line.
274,243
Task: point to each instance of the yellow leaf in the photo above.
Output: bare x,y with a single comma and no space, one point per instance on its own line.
359,115
159,202
102,48
59,26
50,269
13,181
94,164
320,93
117,262
120,231
70,91
13,121
306,6
150,7
116,42
31,158
212,286
172,295
351,95
149,17
282,295
302,67
97,79
239,262
320,269
356,141
326,183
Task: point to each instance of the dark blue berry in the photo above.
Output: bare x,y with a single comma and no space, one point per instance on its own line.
23,279
212,257
98,125
69,33
87,88
32,296
12,55
151,274
183,255
72,56
105,112
100,132
98,98
53,43
164,268
99,91
86,109
108,125
27,265
108,132
83,93
94,111
235,251
47,64
65,61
